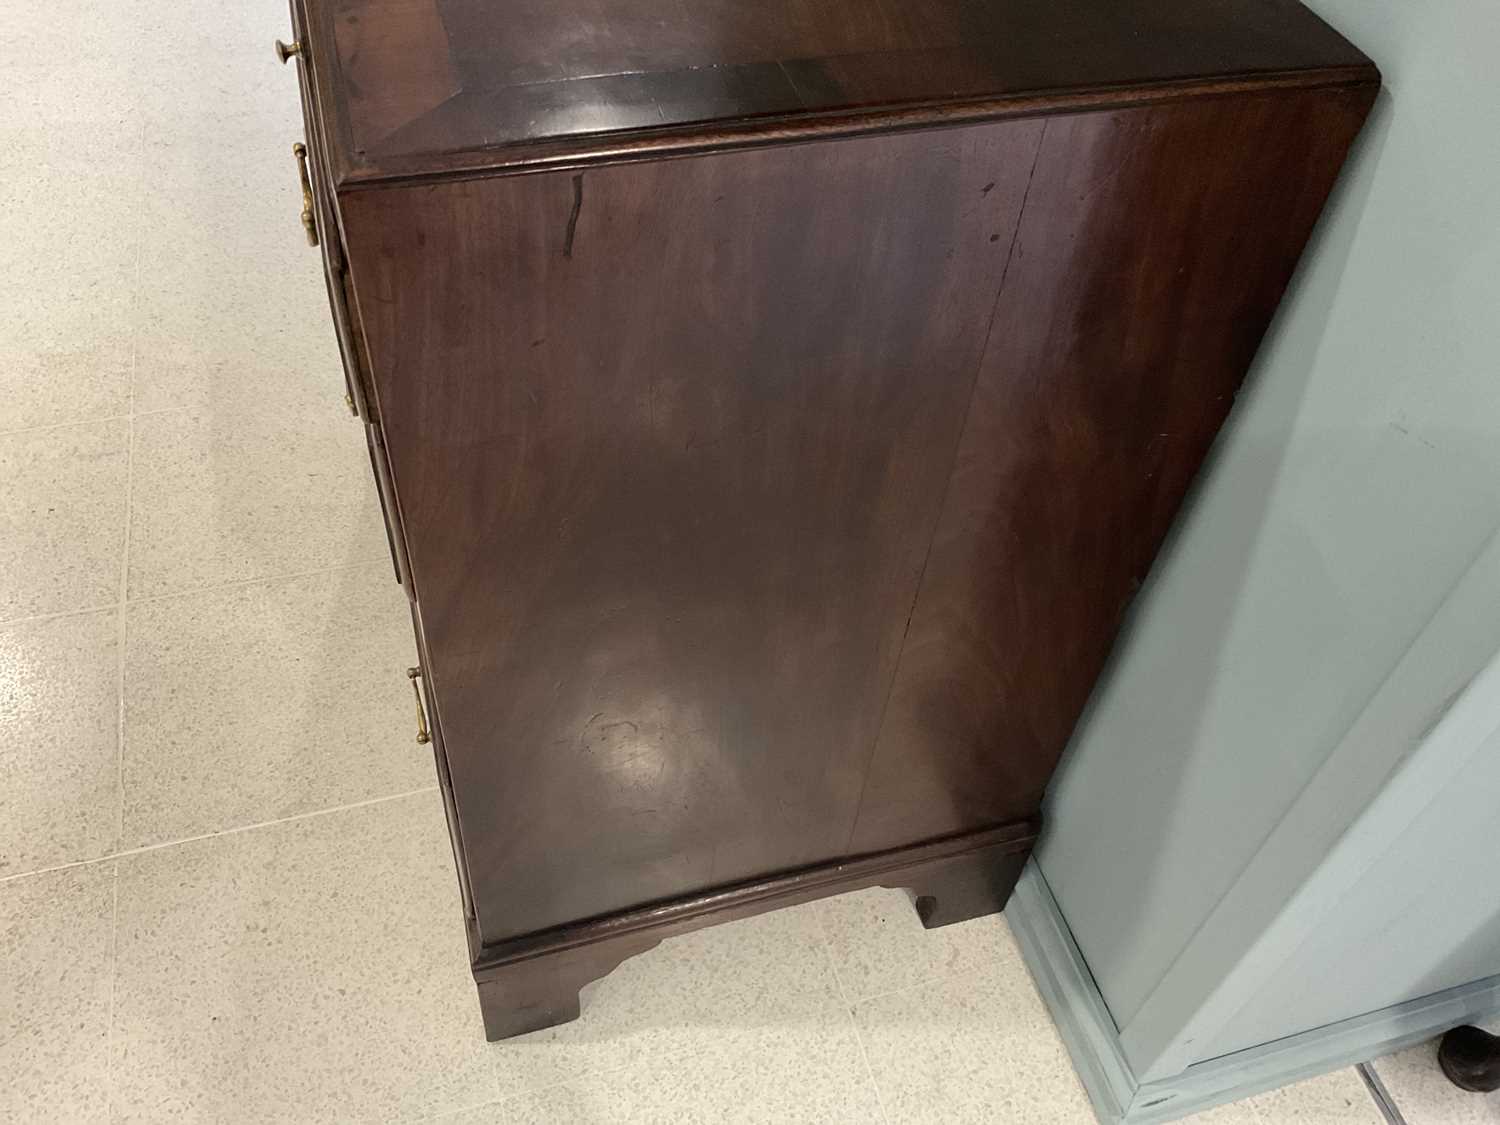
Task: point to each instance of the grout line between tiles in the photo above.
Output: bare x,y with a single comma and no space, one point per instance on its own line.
848,1009
236,830
120,642
544,1088
71,423
264,578
106,607
124,583
99,421
114,976
117,604
921,982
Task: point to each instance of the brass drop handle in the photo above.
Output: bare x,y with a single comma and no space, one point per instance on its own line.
423,738
285,51
309,224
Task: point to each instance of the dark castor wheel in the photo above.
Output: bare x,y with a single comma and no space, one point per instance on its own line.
1470,1057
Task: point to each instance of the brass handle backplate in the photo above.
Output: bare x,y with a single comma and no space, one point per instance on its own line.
309,224
285,51
422,736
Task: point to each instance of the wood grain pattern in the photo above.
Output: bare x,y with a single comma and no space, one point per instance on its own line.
1154,249
533,982
669,442
772,449
451,85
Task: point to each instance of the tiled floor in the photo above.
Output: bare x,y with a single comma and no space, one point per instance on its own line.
225,888
1425,1097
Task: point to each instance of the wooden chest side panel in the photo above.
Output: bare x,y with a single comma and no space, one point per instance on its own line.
1153,250
671,440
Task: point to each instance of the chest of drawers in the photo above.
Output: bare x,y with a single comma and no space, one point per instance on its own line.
775,407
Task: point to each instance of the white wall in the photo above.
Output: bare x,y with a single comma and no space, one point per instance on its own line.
1356,482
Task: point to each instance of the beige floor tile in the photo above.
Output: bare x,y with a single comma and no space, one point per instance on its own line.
213,74
878,943
65,376
59,760
233,309
264,701
1425,1096
211,26
70,205
55,962
975,1046
808,1072
1241,1112
73,32
62,518
311,971
242,198
1338,1098
221,345
222,86
718,986
247,493
73,93
72,62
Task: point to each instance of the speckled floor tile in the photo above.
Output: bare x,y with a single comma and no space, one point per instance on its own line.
55,960
224,85
248,493
62,518
878,943
263,701
70,203
59,760
1241,1112
222,348
715,986
210,26
1424,1094
809,1071
310,971
213,73
975,1046
1338,1098
232,306
72,62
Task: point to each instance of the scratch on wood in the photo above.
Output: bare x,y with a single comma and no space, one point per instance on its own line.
573,217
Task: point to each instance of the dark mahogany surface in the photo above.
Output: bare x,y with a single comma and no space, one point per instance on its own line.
436,83
670,441
770,508
750,528
1153,250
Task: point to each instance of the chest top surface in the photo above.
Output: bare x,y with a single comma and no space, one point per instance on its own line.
419,87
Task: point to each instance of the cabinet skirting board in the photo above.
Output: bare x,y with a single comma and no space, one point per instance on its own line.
1089,1032
531,982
